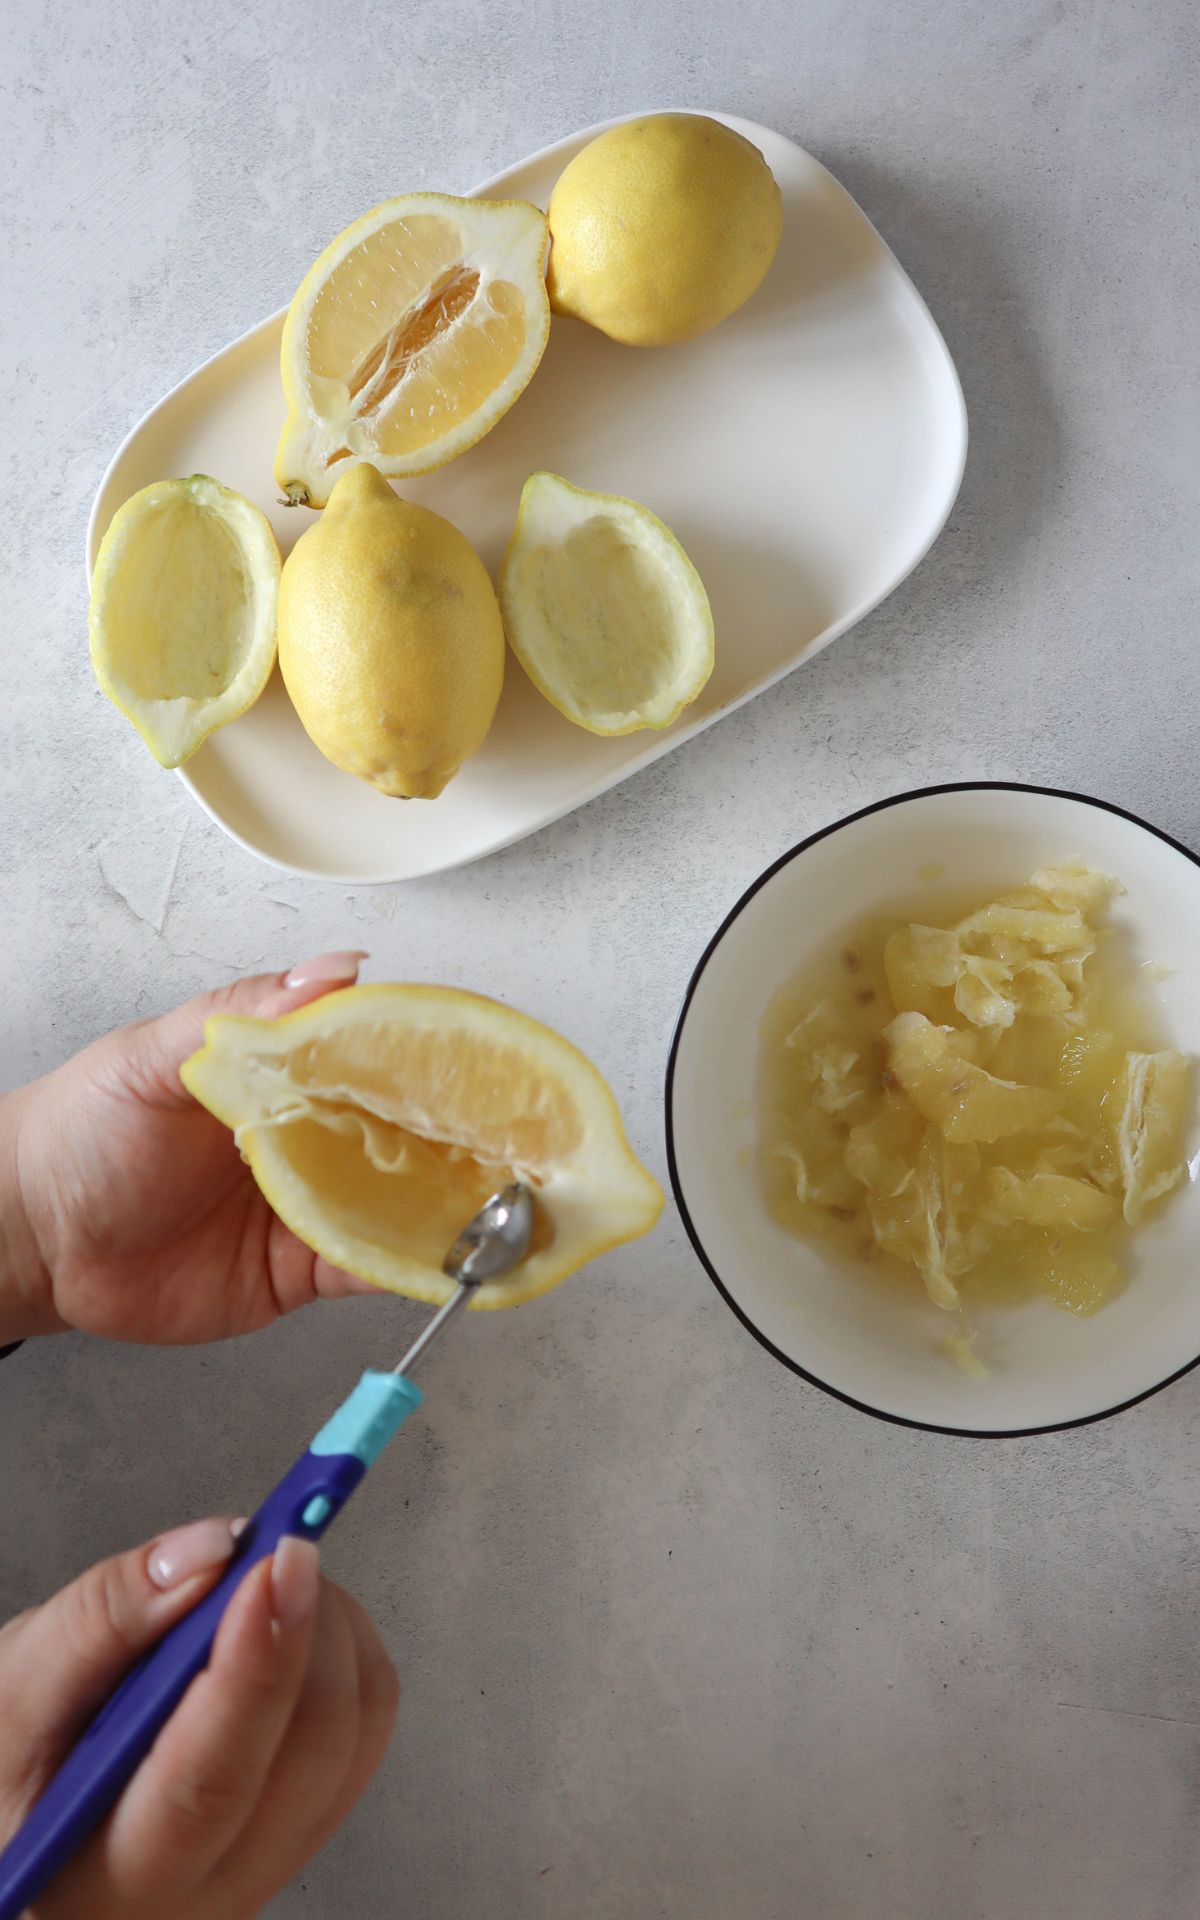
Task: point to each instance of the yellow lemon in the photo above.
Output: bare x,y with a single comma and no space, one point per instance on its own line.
378,1120
390,639
661,228
181,622
603,608
409,337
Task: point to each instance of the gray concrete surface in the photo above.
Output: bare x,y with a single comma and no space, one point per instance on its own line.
679,1636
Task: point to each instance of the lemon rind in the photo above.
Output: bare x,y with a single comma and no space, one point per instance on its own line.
256,541
698,610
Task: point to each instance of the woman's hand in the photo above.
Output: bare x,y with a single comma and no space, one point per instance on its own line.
126,1209
264,1756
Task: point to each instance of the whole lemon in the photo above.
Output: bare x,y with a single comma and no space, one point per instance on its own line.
390,639
661,228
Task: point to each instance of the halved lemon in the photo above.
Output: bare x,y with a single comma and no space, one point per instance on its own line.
603,608
378,1120
409,337
181,622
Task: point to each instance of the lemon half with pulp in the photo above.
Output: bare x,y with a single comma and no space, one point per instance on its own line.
379,1119
409,337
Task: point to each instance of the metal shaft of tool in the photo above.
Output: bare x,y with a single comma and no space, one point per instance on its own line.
489,1246
441,1320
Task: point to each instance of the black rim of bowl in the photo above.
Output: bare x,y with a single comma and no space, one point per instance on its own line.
785,859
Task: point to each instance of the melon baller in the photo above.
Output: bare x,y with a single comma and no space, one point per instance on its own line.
305,1502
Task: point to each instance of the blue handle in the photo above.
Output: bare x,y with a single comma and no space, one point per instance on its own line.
305,1502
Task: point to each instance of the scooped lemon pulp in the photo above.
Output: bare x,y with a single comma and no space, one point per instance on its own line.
408,338
379,1119
974,1098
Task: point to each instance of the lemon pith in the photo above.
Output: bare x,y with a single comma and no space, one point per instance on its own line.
409,337
603,608
181,619
377,1119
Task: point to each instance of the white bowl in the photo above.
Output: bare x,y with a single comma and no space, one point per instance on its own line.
886,1356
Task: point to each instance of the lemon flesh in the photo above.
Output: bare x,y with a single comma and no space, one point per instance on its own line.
377,1120
181,622
603,608
964,1101
409,337
661,228
975,1094
390,639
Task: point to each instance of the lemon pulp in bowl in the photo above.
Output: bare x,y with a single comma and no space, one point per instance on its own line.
974,1097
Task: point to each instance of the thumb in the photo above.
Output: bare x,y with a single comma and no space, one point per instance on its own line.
157,1048
59,1662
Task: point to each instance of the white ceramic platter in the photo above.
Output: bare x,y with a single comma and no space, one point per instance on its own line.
806,453
884,1351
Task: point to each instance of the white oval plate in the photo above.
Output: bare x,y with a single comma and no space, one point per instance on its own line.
885,1353
806,454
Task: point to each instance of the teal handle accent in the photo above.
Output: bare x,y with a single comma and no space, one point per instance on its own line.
366,1421
317,1511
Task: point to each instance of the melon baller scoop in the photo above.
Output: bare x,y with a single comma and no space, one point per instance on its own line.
305,1502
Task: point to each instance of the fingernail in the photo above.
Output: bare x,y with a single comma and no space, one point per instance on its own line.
294,1576
327,967
238,1527
188,1551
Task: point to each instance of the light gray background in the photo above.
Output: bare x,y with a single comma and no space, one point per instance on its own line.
679,1636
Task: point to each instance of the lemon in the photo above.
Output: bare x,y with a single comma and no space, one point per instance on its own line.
390,639
603,608
661,228
182,616
377,1120
410,336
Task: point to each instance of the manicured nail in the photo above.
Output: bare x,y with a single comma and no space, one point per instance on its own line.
294,1576
188,1551
326,968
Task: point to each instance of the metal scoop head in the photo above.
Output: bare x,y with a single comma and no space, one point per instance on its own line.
495,1241
490,1245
